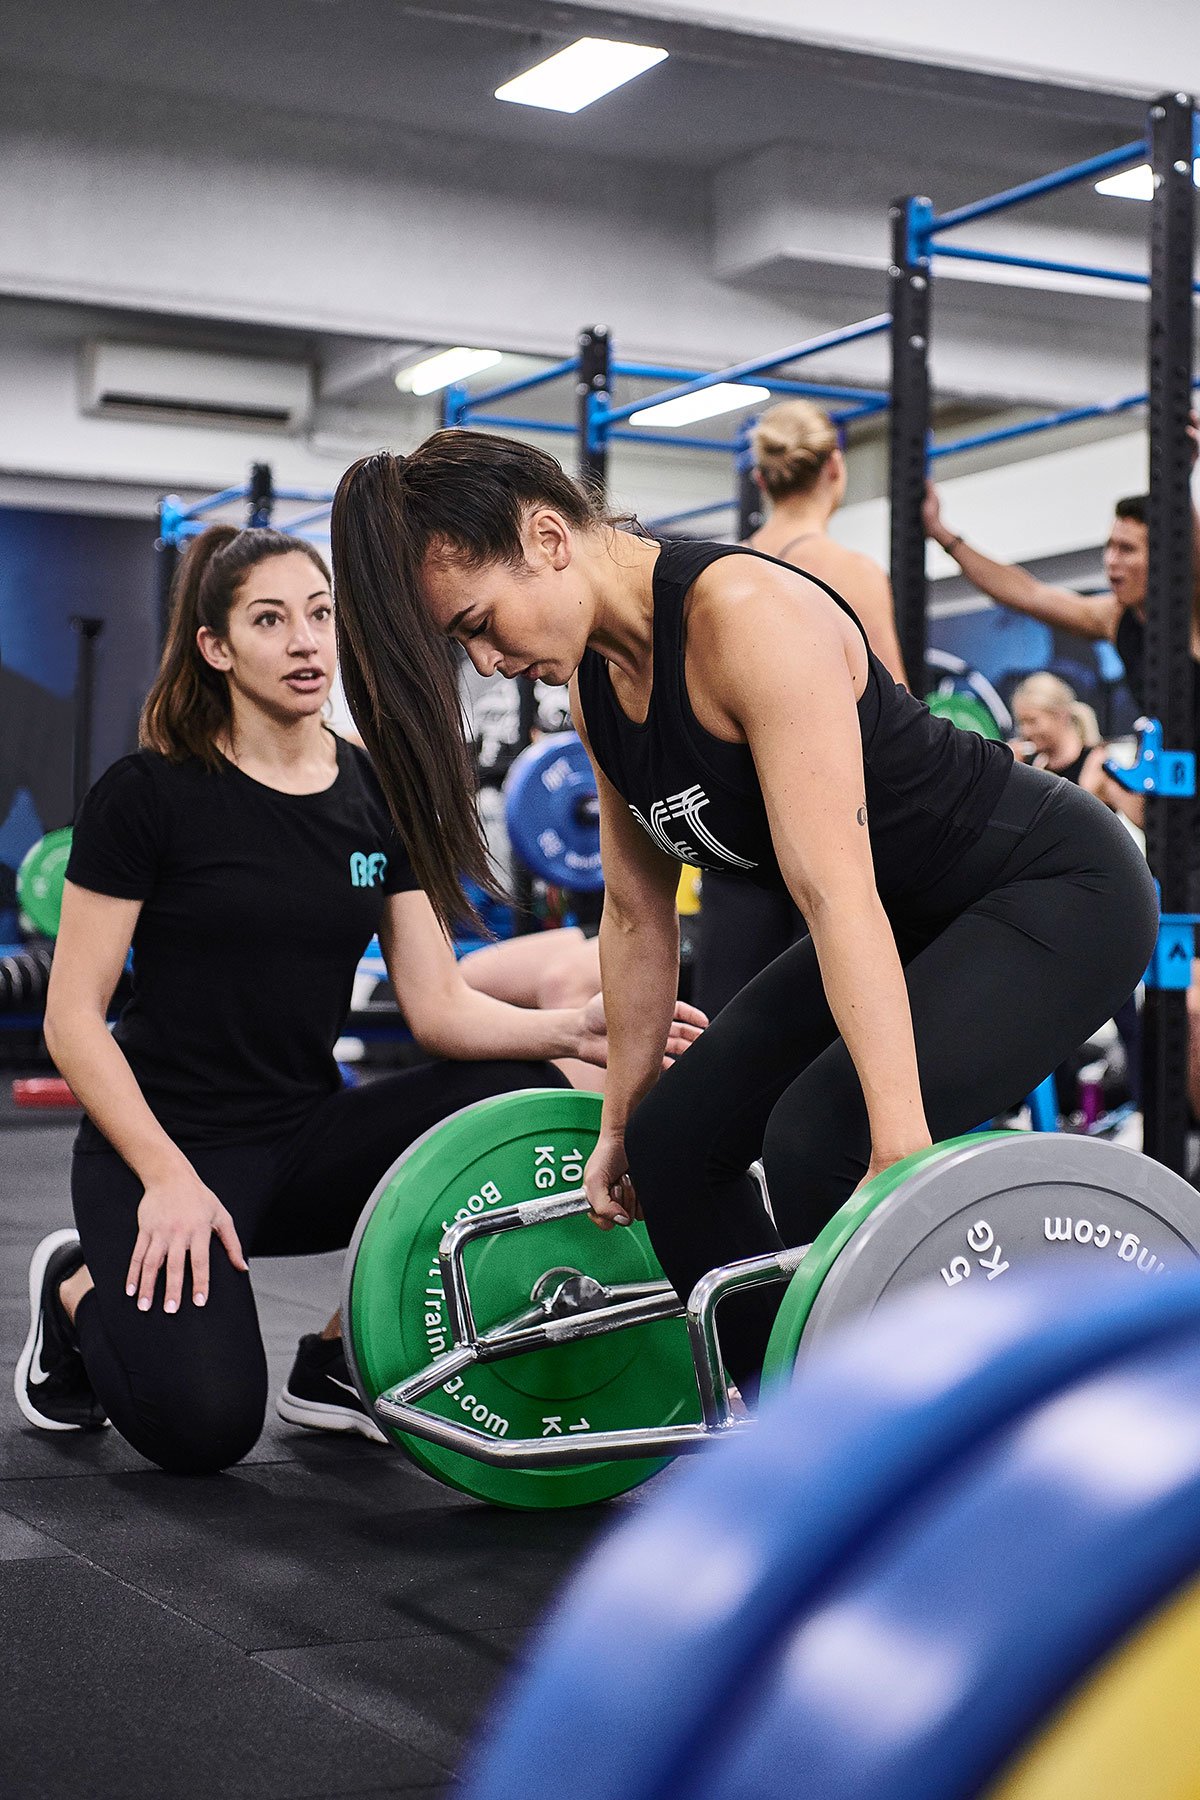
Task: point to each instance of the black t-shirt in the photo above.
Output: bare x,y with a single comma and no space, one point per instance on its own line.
930,787
257,906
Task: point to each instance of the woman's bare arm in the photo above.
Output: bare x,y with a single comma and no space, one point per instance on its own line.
177,1214
89,955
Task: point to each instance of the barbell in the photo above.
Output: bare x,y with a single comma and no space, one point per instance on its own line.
522,1356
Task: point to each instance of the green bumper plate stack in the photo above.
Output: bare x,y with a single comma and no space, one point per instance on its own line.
515,1147
967,711
802,1290
40,880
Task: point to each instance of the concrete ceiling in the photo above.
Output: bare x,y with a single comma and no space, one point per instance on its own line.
786,151
721,94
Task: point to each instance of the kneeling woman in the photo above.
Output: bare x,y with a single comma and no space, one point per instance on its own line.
971,919
248,856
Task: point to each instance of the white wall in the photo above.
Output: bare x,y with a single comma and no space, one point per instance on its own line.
121,197
1044,506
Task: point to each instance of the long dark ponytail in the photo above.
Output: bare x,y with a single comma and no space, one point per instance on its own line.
467,494
188,706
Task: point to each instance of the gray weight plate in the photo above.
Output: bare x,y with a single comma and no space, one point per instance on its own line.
1025,1203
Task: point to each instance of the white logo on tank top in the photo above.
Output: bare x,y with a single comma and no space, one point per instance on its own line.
701,846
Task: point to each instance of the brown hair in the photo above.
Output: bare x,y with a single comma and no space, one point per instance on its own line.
791,444
188,705
1134,506
464,494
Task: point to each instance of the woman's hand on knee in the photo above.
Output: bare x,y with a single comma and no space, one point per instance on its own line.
176,1221
610,1193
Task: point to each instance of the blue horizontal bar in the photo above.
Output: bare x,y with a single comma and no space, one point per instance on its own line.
880,404
817,390
728,445
227,496
1095,271
566,367
691,512
514,424
1044,184
224,498
744,371
1105,409
308,518
653,372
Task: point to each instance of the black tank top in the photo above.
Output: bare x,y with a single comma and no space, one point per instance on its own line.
930,787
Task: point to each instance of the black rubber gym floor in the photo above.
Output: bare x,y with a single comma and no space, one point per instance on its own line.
322,1620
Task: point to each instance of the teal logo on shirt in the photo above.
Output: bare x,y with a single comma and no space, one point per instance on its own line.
366,871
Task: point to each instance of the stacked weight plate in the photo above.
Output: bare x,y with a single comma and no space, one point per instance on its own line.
40,880
905,1582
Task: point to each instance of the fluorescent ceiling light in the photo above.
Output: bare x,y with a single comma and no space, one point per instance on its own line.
580,74
447,366
725,396
1137,184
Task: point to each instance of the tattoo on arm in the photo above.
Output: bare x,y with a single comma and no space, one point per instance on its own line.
861,815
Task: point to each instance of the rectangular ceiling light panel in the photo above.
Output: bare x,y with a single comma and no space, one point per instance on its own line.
580,74
723,397
447,366
1137,184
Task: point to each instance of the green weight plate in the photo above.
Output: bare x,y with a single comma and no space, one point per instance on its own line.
967,711
802,1290
40,880
514,1147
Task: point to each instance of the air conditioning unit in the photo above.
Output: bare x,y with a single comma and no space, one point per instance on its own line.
197,387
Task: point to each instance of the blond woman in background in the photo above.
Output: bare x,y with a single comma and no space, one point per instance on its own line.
1056,730
799,465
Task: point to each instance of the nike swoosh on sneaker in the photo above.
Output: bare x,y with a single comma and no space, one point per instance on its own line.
348,1385
37,1374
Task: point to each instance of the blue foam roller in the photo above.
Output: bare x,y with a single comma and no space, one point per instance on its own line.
948,1643
651,1639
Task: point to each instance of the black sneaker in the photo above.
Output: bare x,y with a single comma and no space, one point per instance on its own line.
51,1383
320,1391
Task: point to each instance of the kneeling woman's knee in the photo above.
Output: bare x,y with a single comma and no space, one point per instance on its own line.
201,1429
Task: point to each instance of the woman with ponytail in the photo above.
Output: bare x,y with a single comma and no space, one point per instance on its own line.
737,718
247,855
800,468
801,471
1056,730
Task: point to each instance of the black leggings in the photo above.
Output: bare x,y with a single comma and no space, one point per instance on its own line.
742,929
189,1389
1030,942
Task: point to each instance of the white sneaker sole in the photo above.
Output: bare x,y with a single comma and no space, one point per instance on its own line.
32,1345
317,1416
